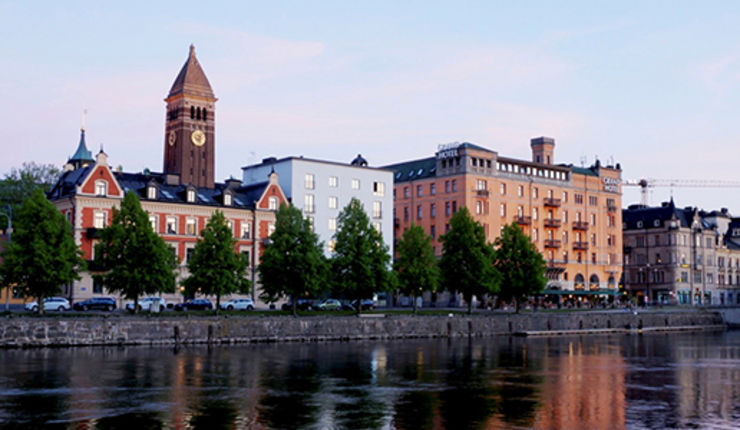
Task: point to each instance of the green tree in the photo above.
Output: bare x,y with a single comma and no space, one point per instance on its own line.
360,259
467,260
18,185
416,266
521,265
293,262
134,259
43,255
215,267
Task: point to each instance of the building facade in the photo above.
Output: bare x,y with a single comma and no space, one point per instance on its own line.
321,189
572,214
681,255
180,200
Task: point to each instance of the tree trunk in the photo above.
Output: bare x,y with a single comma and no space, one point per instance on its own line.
414,298
516,305
218,303
40,301
359,306
470,306
136,304
295,307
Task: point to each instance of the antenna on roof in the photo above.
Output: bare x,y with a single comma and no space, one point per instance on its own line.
583,161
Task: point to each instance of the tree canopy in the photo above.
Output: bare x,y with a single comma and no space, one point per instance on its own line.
215,267
134,260
416,266
18,185
360,259
293,263
467,259
43,255
521,265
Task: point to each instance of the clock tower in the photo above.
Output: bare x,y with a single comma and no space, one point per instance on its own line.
189,131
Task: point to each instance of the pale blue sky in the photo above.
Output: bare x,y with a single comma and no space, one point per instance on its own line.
653,84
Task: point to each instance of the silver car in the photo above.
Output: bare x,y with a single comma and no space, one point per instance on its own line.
50,304
152,304
239,305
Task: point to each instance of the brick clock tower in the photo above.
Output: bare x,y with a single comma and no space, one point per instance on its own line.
189,131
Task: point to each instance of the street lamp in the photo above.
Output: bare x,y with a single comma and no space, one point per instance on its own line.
9,216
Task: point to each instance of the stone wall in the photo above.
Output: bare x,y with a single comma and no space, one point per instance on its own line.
20,331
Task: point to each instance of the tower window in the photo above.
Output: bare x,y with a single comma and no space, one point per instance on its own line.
192,112
197,113
204,114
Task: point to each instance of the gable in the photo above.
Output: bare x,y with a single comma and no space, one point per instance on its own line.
101,173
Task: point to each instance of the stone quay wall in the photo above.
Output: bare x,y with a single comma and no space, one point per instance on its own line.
21,331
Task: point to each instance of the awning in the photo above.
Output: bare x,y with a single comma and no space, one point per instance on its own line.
599,292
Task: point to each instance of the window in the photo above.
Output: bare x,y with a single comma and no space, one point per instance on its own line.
593,257
578,198
97,286
245,253
190,227
535,214
151,193
433,232
593,239
377,227
310,181
432,189
270,228
520,211
593,219
406,213
419,209
333,202
432,210
454,185
101,187
447,186
535,192
355,184
593,200
310,220
332,245
153,222
565,217
565,197
478,207
272,203
245,230
535,234
332,224
379,189
565,238
227,199
447,208
171,225
418,191
502,209
189,254
190,196
454,206
405,192
333,182
308,206
99,219
377,209
503,189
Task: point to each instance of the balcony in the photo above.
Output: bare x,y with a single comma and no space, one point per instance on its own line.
580,225
523,220
580,245
552,222
552,243
481,193
551,202
611,208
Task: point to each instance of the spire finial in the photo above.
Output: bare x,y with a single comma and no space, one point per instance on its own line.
84,115
192,50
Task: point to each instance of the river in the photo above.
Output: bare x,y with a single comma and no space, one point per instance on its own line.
590,382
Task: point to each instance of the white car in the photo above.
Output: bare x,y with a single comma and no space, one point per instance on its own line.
149,304
50,304
239,305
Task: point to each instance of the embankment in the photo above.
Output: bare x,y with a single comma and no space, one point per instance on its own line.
19,331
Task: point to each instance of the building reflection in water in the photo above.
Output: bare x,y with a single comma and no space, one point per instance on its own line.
651,381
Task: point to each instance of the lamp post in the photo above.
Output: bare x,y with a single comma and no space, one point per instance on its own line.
9,216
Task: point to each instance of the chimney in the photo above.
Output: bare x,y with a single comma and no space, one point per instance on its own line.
542,150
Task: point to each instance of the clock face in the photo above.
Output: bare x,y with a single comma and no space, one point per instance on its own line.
198,138
171,138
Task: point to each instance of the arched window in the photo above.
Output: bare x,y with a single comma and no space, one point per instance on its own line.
197,113
612,281
205,117
579,281
101,187
593,281
192,112
272,203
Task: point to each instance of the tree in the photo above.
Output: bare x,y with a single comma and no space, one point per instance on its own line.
293,262
521,265
467,260
360,258
215,267
19,184
43,255
416,266
134,259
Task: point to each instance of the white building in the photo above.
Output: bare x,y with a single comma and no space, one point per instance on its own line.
321,189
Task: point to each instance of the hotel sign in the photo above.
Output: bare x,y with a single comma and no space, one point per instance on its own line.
611,185
448,150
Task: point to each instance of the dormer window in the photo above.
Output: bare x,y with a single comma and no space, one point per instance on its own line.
101,188
272,203
151,192
190,196
227,199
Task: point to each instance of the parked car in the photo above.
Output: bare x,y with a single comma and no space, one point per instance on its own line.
149,304
367,304
50,304
239,305
96,303
301,305
194,305
330,305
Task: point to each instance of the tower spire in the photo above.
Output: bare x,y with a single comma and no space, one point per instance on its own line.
84,116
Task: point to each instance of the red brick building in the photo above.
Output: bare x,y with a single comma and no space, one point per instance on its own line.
181,199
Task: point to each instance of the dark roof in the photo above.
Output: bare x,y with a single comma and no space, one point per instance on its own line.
413,170
469,145
649,215
191,79
732,241
82,153
589,171
243,196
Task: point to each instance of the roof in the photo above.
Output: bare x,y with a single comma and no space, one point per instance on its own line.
192,80
469,145
271,161
243,196
82,153
414,170
732,238
660,214
588,171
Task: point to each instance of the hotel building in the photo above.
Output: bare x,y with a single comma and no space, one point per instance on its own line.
572,214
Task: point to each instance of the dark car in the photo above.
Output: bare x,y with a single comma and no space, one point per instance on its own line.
367,304
96,303
194,305
301,305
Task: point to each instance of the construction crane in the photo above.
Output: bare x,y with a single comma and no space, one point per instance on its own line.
646,183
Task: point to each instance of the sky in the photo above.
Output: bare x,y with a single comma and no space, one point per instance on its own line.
652,85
